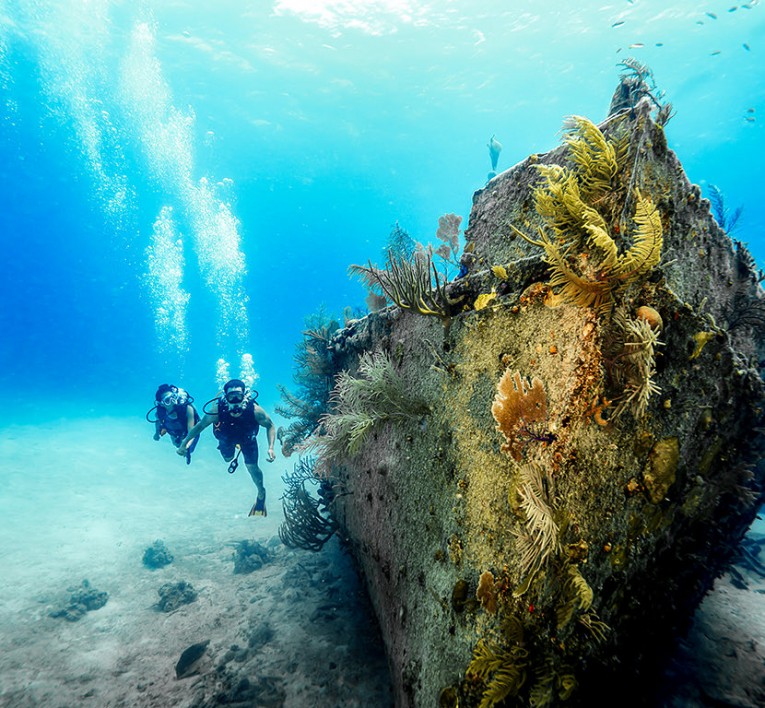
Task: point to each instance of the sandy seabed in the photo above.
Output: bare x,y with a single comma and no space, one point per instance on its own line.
83,498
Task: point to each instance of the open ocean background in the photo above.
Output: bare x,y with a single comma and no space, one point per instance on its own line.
247,153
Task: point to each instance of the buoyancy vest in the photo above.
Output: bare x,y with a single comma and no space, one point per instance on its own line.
236,428
176,425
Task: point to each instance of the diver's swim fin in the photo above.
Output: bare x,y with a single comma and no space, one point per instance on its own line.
259,507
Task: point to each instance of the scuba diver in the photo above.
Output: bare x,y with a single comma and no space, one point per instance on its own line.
176,416
236,418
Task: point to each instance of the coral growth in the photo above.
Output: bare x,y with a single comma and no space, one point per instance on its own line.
486,592
746,309
584,258
400,243
314,379
577,594
636,84
410,278
250,556
413,284
449,234
157,555
725,218
308,523
520,409
548,552
83,599
359,404
175,595
502,668
659,474
537,540
634,367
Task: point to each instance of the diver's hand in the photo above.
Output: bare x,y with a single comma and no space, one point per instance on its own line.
271,454
181,449
156,436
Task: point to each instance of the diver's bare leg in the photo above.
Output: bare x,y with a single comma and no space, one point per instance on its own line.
257,476
259,507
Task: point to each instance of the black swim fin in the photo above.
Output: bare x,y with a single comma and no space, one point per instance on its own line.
259,507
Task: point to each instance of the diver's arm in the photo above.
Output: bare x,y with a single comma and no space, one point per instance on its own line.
189,420
264,420
207,419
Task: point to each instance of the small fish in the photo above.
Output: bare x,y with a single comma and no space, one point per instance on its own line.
750,119
618,24
637,45
659,44
715,53
711,14
495,147
750,110
699,22
187,664
733,9
745,46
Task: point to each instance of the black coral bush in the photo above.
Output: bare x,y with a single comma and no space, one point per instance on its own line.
313,380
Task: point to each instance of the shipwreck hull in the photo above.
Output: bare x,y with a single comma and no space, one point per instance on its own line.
557,565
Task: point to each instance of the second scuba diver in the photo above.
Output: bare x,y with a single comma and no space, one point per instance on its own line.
176,416
236,419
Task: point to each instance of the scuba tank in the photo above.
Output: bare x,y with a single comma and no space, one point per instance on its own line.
183,397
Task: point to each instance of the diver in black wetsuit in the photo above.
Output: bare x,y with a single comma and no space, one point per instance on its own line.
176,416
236,419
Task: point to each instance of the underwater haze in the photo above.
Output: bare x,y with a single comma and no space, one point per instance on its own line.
183,184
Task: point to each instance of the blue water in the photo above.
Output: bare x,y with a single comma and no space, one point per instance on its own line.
316,127
185,182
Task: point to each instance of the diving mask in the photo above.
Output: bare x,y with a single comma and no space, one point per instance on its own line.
235,396
169,399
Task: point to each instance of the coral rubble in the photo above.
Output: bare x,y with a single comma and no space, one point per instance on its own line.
250,556
157,555
175,595
84,598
